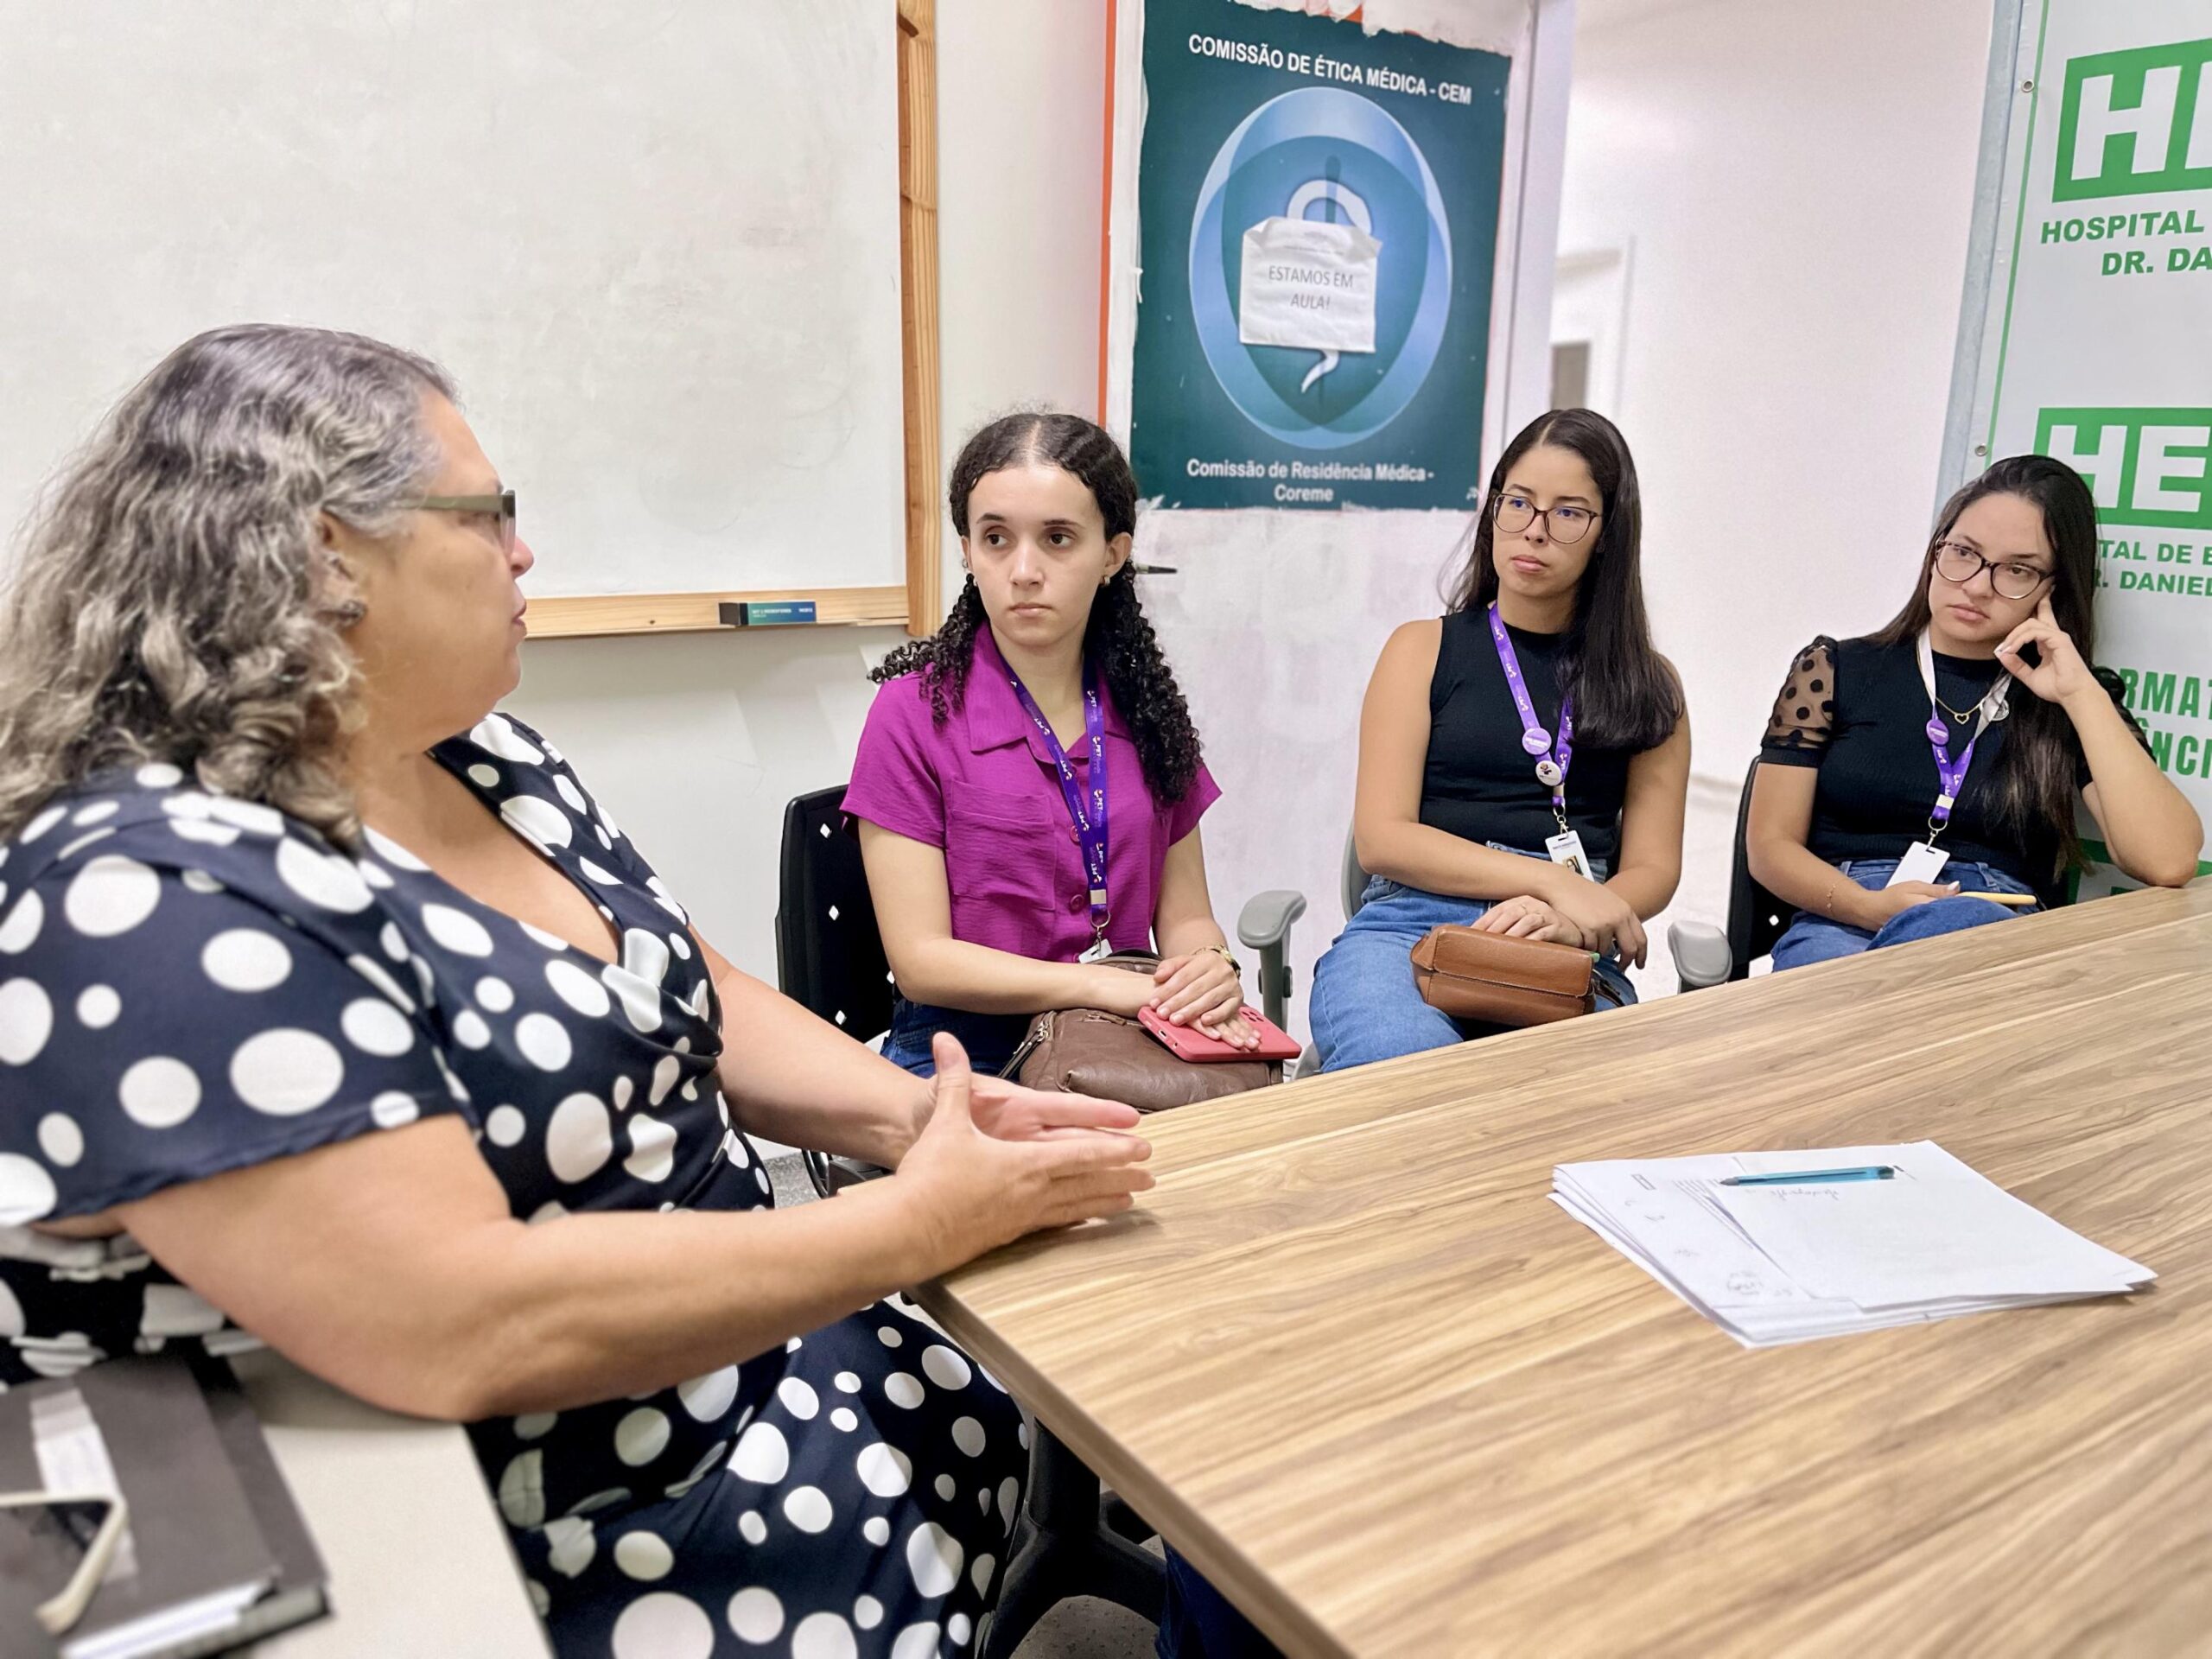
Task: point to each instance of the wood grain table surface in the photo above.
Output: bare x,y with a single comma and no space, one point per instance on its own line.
1351,1359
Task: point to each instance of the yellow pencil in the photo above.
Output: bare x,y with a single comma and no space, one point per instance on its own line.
2017,901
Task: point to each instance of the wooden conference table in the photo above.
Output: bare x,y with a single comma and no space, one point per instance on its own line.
1353,1362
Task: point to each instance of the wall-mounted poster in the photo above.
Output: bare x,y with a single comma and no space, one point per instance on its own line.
1317,212
2087,333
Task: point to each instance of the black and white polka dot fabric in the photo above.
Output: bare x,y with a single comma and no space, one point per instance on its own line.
191,984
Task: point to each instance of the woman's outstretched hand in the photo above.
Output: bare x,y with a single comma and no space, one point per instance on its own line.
983,1172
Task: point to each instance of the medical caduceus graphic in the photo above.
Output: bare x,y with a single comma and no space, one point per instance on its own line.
1321,268
1333,196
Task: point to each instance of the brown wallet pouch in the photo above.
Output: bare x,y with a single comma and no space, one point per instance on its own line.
1091,1051
1497,981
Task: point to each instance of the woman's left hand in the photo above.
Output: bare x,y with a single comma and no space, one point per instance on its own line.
1199,989
1235,1030
2061,674
1529,917
1006,1111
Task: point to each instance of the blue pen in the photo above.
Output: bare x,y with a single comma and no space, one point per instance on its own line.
1871,1172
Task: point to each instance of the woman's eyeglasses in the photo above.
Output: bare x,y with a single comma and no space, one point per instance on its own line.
501,507
1959,564
1566,523
70,1536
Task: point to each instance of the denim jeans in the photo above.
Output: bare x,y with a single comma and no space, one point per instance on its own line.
1199,1622
1365,1006
1815,938
990,1039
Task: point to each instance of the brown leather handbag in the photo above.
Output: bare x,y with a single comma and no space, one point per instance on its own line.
1091,1051
1497,981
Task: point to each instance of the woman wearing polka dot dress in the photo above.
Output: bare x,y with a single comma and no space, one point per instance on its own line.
1028,786
387,1045
1907,776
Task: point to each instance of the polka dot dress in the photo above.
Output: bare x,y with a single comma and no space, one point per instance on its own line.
191,984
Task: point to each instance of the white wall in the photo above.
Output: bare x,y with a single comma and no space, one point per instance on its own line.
1275,619
696,741
1792,185
1796,183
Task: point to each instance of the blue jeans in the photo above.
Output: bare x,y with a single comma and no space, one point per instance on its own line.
990,1039
1813,938
1365,1006
1199,1622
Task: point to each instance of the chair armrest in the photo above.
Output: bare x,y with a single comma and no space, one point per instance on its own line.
1702,955
1266,918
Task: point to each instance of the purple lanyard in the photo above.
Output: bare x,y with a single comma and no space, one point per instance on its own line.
1950,775
1089,817
1553,758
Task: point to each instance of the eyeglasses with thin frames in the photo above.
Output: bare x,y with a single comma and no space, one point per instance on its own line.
1959,564
1564,522
93,1522
500,506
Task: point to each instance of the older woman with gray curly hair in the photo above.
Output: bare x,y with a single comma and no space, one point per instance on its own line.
333,1006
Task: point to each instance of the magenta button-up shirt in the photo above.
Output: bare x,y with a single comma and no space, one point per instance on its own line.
982,787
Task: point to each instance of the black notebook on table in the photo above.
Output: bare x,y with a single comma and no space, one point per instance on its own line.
217,1554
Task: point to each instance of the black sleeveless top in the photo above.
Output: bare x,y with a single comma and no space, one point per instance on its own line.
1856,709
1479,782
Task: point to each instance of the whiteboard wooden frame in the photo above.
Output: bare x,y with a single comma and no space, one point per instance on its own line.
917,605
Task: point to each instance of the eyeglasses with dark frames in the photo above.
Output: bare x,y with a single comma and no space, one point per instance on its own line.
501,507
2012,578
1565,522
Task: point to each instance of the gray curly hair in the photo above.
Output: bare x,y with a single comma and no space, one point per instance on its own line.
173,600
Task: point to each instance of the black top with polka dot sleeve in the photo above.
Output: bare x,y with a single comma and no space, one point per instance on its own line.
1858,711
191,984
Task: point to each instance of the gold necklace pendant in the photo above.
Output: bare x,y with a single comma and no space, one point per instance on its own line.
1962,716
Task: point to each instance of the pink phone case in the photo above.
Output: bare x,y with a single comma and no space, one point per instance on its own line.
1189,1043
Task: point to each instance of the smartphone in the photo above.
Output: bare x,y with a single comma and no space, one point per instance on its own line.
1189,1043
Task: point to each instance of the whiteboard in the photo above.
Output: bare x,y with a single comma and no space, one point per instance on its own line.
656,243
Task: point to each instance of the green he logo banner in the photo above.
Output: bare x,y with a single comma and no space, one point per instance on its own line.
2137,121
2145,466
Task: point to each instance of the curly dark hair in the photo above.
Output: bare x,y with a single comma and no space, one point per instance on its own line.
1118,638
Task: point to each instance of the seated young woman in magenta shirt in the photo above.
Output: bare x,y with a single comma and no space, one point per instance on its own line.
1028,786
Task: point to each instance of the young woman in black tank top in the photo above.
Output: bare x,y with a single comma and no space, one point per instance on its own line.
1981,690
1454,820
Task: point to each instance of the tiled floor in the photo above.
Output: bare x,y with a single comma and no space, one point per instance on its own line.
1087,1629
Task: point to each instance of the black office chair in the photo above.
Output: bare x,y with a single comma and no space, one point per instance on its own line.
1756,918
1068,1539
830,957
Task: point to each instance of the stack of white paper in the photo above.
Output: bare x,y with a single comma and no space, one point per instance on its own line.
1787,1263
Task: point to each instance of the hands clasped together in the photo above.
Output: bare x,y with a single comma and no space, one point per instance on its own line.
1589,916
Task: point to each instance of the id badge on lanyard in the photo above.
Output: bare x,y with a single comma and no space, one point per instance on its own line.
1924,861
1087,808
1552,757
1566,848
